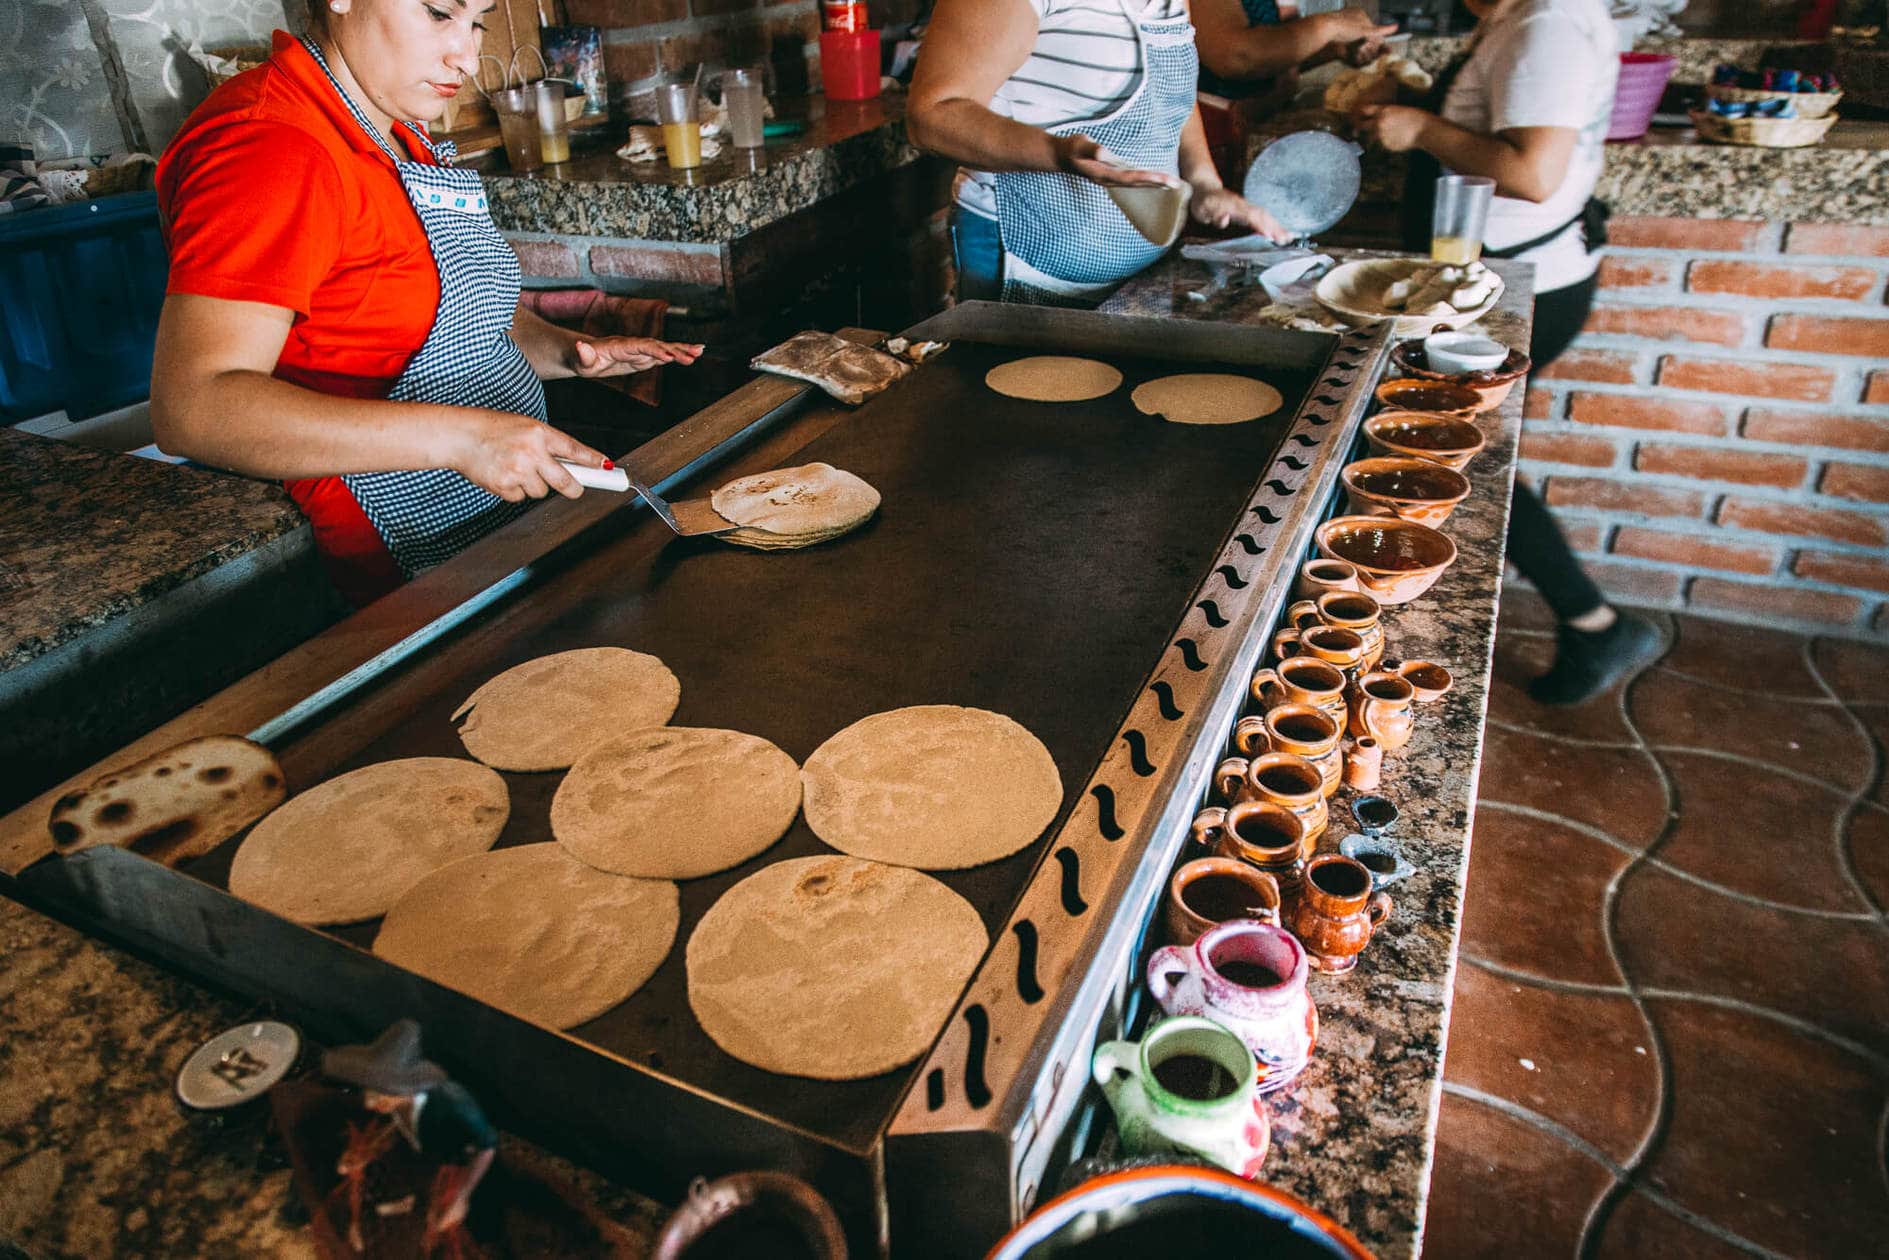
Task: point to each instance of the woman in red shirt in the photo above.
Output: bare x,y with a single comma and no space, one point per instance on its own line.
341,312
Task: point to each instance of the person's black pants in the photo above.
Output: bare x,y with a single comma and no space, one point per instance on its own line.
1537,546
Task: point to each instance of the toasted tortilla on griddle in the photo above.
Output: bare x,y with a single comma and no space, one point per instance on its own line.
543,714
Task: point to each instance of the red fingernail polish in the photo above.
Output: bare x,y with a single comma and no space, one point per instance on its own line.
609,465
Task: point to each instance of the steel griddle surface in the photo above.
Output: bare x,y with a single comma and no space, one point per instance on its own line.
1029,558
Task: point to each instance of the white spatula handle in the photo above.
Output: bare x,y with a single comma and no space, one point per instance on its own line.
598,478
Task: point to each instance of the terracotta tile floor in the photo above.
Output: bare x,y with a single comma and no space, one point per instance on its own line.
1671,1027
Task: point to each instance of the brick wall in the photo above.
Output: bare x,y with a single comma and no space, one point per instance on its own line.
1718,437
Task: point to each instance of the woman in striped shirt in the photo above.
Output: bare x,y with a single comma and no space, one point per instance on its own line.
1046,102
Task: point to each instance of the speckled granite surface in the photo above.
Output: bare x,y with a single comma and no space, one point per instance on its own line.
600,194
1693,58
86,537
95,1159
1355,1134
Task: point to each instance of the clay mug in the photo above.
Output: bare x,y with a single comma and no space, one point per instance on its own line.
1431,681
1249,977
1364,764
1318,576
1205,830
1306,731
1348,610
1337,911
1334,645
1249,736
1189,1086
1208,891
1302,680
1290,780
1382,708
1269,837
1228,777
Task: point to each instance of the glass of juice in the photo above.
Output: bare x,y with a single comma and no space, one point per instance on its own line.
741,92
1462,212
517,110
677,111
554,128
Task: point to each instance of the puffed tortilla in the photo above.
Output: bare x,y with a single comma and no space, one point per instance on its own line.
1053,378
938,787
533,931
347,849
543,714
1207,398
831,967
794,507
675,802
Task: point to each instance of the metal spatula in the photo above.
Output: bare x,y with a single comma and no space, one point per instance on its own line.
691,518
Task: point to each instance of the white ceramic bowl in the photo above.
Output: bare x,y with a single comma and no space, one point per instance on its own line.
1454,353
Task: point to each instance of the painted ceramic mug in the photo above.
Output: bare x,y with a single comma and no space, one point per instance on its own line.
1337,912
1335,645
1189,1086
1302,680
1267,836
1348,610
1214,890
1290,780
1382,708
1308,732
1318,576
1249,977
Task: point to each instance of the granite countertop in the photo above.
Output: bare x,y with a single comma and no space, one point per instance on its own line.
87,537
600,194
1355,1135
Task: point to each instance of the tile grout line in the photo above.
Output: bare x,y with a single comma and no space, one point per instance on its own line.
1840,827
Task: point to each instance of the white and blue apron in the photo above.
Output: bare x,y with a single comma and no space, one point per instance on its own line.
1065,242
467,360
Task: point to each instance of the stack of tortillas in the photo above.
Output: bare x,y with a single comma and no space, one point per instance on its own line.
831,967
543,714
794,507
348,849
675,802
533,931
934,786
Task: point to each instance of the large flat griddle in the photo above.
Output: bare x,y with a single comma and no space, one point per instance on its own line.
1035,559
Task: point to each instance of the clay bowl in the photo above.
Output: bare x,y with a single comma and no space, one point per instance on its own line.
1490,387
1397,560
1410,394
1451,441
1413,489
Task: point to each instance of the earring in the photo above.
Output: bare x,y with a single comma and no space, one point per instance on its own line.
335,5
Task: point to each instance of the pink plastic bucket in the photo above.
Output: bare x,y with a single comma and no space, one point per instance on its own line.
1643,79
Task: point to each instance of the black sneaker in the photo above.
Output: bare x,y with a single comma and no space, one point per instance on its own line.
1588,662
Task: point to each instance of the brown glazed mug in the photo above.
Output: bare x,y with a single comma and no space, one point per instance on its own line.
1302,680
1334,645
1290,780
1205,830
1228,779
1382,708
1318,576
1337,912
1309,732
1269,837
1431,680
1214,890
1348,610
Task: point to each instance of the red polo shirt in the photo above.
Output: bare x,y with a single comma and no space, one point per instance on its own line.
273,193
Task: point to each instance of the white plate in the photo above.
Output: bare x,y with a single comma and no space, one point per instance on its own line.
1355,293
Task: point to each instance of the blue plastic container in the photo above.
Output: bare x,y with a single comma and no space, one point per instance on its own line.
80,290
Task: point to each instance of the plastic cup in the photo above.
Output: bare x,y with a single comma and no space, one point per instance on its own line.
554,127
676,110
741,92
1462,212
517,110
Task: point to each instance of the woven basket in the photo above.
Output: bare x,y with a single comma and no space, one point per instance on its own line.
1765,133
1809,104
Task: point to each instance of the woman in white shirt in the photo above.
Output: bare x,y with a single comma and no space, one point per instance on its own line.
1528,106
1044,103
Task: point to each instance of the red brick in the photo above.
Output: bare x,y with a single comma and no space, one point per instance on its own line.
1817,428
1838,240
652,261
1763,280
1669,323
544,258
617,13
1826,607
1856,481
1632,411
1712,235
1712,463
1617,272
631,63
1583,535
1866,572
1602,495
1834,524
1877,390
1830,336
1605,366
1633,583
1693,551
1567,448
1756,380
1538,405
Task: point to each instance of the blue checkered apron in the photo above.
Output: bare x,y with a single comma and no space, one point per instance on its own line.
1065,242
468,359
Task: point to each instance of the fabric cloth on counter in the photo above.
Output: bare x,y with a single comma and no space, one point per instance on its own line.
598,314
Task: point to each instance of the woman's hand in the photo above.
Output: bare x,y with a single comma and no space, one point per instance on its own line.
617,356
516,457
1394,128
1222,207
1352,34
1079,155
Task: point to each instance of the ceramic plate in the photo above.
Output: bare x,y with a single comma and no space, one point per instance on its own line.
1355,293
